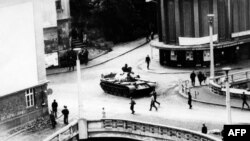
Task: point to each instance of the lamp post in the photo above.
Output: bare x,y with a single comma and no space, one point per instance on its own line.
78,69
228,106
82,123
210,20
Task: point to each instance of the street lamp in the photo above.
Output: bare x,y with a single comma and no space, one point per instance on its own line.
82,123
78,69
210,20
228,106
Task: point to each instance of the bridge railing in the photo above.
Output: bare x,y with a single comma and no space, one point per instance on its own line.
66,133
216,84
150,130
109,127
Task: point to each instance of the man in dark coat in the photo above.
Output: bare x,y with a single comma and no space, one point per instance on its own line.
155,97
132,104
200,77
71,59
65,113
192,77
54,106
52,120
204,129
152,103
190,100
244,101
147,60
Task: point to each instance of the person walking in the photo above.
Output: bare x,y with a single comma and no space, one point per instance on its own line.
132,104
147,60
65,113
244,101
54,106
155,97
190,100
204,129
152,103
192,77
52,120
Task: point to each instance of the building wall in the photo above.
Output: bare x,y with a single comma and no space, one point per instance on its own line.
190,18
28,22
13,107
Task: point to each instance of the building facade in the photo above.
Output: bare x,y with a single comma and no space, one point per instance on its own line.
57,25
183,28
23,83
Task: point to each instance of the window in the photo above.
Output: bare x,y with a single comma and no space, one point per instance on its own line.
173,55
58,5
189,56
29,95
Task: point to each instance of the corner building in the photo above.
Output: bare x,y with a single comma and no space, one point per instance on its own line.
23,96
183,28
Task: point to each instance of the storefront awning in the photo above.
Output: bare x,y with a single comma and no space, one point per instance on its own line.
161,45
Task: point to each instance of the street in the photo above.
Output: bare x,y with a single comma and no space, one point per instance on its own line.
173,110
173,107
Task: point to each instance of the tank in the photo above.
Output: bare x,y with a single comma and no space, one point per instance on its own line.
126,85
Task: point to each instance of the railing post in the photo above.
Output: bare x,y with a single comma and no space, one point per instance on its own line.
59,137
232,77
70,131
247,74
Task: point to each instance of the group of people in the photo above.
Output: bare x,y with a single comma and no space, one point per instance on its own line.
83,56
201,77
72,56
53,114
153,102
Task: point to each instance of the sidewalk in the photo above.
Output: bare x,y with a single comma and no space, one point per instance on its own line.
155,67
208,97
104,57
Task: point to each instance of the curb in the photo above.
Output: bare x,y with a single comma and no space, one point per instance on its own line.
205,102
103,61
155,72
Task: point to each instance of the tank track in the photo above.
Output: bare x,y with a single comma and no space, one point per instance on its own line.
115,89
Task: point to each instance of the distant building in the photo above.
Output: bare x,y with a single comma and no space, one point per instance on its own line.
23,82
183,28
57,25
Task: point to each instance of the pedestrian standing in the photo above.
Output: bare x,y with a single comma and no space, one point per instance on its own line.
147,60
155,97
192,76
54,106
244,101
152,35
204,129
200,77
132,104
103,113
190,100
52,120
65,113
152,103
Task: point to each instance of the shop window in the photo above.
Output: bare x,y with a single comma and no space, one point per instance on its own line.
29,96
173,55
206,55
189,56
58,5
